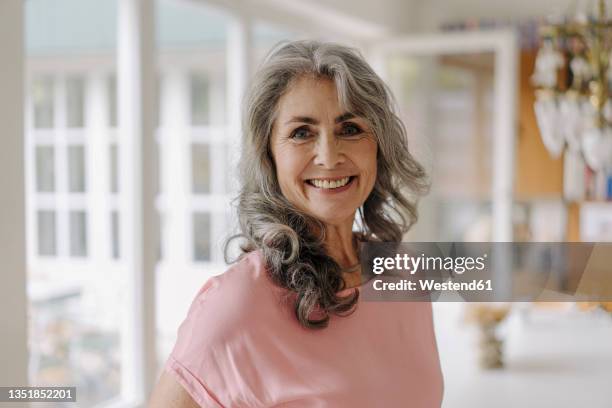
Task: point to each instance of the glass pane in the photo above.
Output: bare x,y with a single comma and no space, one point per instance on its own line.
76,169
45,169
115,243
114,168
446,105
78,233
43,103
46,233
200,99
111,85
200,168
201,236
75,102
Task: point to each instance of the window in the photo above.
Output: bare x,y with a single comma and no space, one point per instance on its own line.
200,99
111,100
78,233
46,233
42,94
75,102
45,169
76,169
200,169
60,163
75,308
201,236
192,45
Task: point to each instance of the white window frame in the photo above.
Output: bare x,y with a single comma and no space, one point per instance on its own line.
61,201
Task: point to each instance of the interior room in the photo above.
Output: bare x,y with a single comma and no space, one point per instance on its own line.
122,130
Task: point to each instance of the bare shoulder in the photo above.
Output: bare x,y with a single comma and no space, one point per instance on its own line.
168,393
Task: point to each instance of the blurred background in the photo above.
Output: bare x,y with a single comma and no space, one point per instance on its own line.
129,141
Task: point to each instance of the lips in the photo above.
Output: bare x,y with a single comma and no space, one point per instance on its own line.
330,184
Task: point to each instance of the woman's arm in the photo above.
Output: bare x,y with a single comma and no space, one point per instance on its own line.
168,393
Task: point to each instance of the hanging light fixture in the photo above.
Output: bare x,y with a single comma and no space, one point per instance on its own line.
572,75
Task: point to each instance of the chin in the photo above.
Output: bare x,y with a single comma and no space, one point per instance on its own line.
331,216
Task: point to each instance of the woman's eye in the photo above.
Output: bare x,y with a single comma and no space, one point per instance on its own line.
350,129
300,133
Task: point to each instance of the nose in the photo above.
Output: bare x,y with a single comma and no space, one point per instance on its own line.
328,151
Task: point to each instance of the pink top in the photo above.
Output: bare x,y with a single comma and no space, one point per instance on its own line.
240,347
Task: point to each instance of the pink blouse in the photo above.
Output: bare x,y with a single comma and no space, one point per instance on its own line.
241,346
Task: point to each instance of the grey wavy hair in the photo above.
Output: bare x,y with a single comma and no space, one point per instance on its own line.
291,241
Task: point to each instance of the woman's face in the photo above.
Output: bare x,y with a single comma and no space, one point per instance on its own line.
325,158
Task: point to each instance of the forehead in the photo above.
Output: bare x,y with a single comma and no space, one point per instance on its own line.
309,95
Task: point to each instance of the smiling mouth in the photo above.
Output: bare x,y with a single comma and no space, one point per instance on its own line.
330,184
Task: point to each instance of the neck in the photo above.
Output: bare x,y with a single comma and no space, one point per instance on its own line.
339,244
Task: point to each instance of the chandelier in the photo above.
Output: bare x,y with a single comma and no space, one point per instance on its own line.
572,75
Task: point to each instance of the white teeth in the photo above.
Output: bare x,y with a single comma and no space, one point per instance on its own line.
329,184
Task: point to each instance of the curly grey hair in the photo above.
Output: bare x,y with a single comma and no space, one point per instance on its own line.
291,241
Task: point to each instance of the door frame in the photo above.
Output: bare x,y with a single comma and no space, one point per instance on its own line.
504,45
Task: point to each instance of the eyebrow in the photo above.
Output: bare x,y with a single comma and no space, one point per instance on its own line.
312,121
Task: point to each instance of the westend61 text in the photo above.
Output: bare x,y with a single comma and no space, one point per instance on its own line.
431,285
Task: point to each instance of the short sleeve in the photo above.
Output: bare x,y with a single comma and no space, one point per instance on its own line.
184,362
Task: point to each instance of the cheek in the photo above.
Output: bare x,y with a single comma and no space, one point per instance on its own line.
371,171
368,163
288,161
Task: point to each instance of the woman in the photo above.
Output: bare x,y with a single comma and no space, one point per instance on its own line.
285,326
